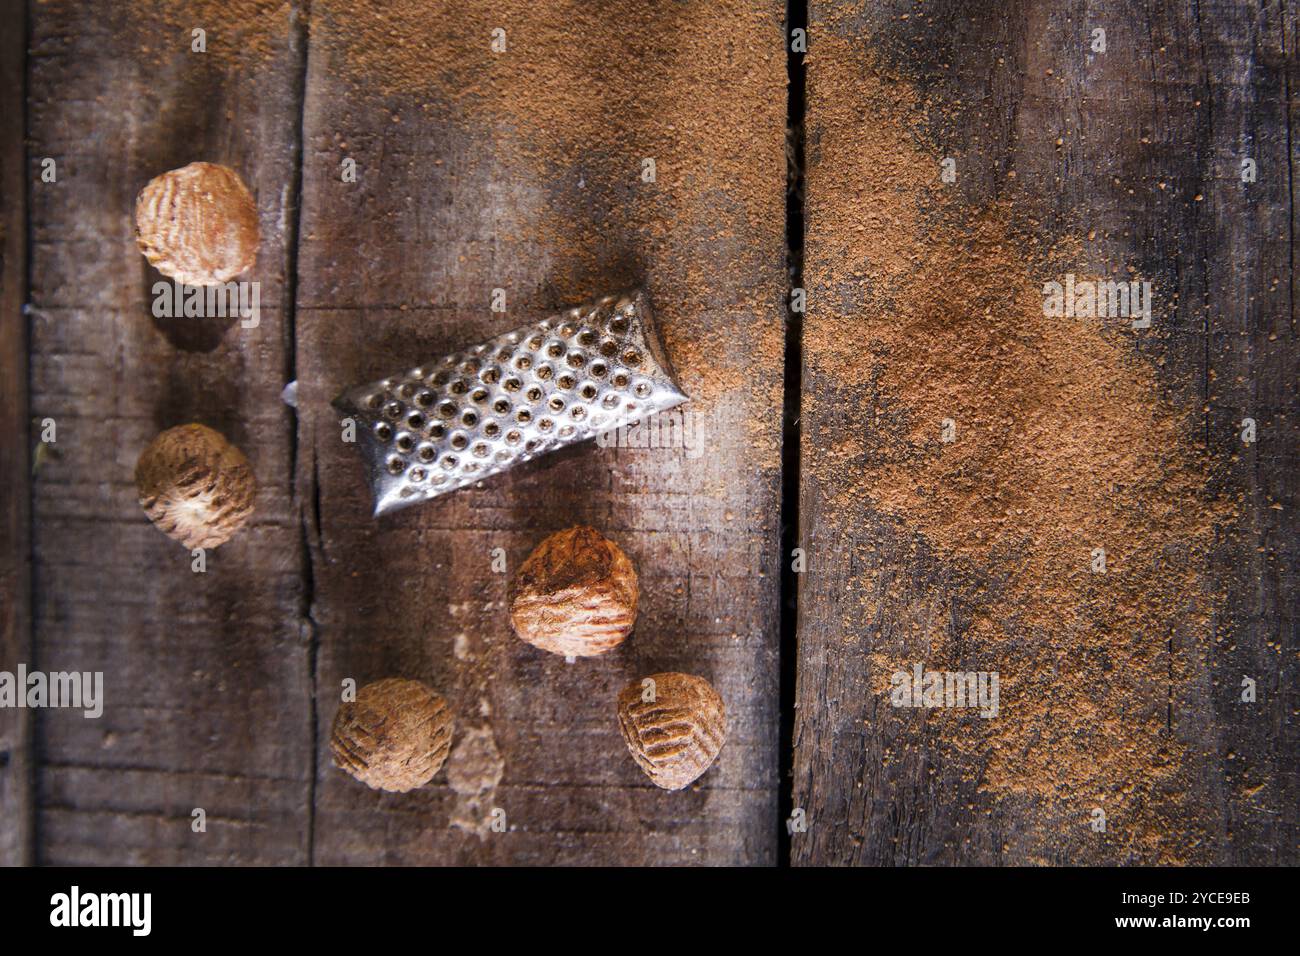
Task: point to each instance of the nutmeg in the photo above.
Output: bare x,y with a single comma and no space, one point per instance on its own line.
395,736
198,224
195,486
674,725
575,595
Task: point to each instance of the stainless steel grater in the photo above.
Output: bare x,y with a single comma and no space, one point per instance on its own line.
461,418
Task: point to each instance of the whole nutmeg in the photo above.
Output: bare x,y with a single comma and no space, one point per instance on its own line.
674,725
575,595
395,736
198,224
195,486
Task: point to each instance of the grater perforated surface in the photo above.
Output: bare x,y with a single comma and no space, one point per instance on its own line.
459,419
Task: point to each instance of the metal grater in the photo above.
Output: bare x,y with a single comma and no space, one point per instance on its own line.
462,418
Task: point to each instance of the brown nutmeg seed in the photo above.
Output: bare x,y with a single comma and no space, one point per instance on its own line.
674,725
198,224
395,736
195,486
576,594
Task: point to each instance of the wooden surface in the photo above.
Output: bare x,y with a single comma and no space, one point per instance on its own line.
207,676
221,686
398,268
1184,91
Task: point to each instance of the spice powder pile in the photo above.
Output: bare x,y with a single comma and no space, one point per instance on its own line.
926,309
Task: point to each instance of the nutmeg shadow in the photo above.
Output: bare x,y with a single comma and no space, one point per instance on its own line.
209,396
188,334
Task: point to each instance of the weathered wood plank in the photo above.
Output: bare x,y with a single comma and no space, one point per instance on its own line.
207,680
1132,157
463,188
16,776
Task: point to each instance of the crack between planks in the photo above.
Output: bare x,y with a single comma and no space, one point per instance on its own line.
301,31
796,109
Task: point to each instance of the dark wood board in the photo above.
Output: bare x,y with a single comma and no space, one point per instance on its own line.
17,838
207,683
1184,92
397,268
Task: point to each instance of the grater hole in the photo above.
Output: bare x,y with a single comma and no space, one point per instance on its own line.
524,363
426,453
469,419
459,387
504,355
544,372
618,325
642,389
450,462
566,331
632,358
459,441
545,425
576,359
491,429
436,430
471,366
447,410
415,420
424,399
501,406
481,450
608,348
566,381
567,431
578,413
587,338
524,416
598,369
439,378
555,350
393,410
417,475
513,437
532,444
383,431
405,443
611,400
374,401
491,375
512,385
406,391
588,392
556,404
534,394
620,380
479,396
396,465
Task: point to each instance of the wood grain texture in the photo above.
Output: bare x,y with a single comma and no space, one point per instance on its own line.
398,268
17,837
206,676
1185,91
